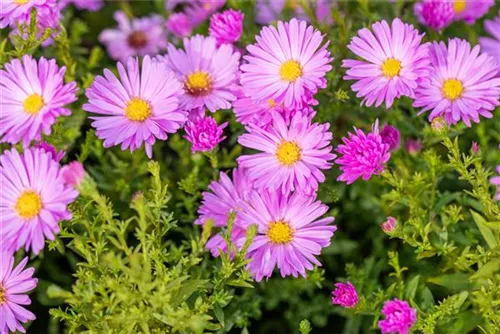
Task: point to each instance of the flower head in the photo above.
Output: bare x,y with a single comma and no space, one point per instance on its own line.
217,245
362,155
200,10
179,25
471,10
345,295
56,155
208,72
462,84
35,199
137,37
389,225
435,14
286,65
226,27
291,157
13,12
204,133
137,108
394,61
33,96
73,173
496,182
413,146
489,45
290,233
399,317
391,136
15,283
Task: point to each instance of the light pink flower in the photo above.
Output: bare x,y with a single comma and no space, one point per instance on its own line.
179,25
496,182
389,225
489,45
73,173
471,10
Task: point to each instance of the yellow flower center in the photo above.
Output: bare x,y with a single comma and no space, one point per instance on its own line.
138,110
452,89
2,294
288,153
271,103
198,83
29,204
459,6
290,71
21,2
391,67
279,233
33,104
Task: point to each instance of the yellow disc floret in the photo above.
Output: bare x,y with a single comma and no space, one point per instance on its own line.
33,103
459,6
279,232
29,204
138,110
2,294
198,83
452,89
288,153
290,71
391,68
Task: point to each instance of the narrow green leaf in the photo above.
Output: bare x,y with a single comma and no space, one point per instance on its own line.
484,229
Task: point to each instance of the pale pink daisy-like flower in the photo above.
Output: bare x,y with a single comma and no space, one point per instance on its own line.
345,295
179,25
435,14
217,245
139,107
290,233
204,134
394,61
73,173
362,155
209,73
13,12
291,157
15,283
33,96
399,317
288,64
137,37
48,17
389,225
226,27
471,10
56,155
489,45
461,85
496,182
34,198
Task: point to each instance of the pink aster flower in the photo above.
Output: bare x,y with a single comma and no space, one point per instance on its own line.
34,198
217,245
33,96
471,10
136,37
287,64
15,283
73,173
462,84
394,61
200,10
226,27
267,11
290,233
179,25
291,157
139,107
209,73
435,14
389,225
491,46
345,295
399,317
391,136
204,133
56,155
413,146
13,12
362,155
48,17
496,182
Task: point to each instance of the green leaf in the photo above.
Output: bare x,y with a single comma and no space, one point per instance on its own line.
219,314
487,270
458,281
411,288
484,229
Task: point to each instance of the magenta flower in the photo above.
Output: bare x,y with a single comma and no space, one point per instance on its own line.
394,61
15,283
138,108
34,200
290,233
33,96
286,65
471,10
491,46
496,182
391,136
389,225
56,155
179,25
226,27
291,157
362,155
399,317
462,84
73,173
13,12
413,146
204,133
435,14
90,5
209,73
345,295
137,37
